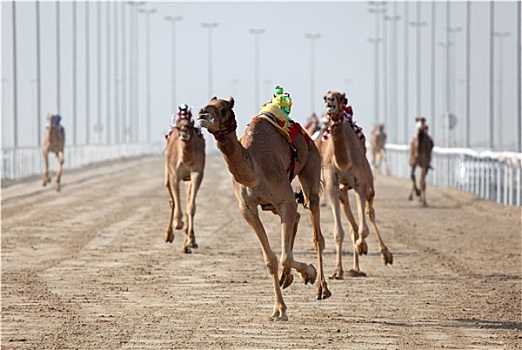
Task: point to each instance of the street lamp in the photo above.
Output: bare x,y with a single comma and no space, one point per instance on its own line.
500,36
418,24
209,26
376,41
312,38
147,13
394,97
173,21
256,33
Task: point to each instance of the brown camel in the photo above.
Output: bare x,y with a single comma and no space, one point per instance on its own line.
345,167
377,147
420,155
263,164
54,141
185,162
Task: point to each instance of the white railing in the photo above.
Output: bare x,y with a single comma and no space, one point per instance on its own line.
489,175
18,163
495,176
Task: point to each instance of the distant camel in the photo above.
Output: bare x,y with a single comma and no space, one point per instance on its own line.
54,140
185,162
346,167
263,163
377,147
420,155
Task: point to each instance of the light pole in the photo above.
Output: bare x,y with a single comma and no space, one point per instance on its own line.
491,74
393,86
15,81
58,64
418,24
312,38
257,33
376,41
38,79
147,13
445,124
406,67
500,36
74,54
209,27
173,20
87,75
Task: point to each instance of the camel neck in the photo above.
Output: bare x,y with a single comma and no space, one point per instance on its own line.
238,160
340,144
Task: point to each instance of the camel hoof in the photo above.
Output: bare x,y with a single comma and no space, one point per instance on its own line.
337,275
387,256
361,247
168,236
277,318
286,280
323,293
179,225
187,250
354,273
310,276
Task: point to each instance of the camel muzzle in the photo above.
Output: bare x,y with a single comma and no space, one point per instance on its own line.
205,119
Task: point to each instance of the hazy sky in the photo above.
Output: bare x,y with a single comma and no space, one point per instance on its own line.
344,60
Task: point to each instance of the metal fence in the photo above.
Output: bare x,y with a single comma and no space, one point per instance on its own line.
18,163
495,176
488,175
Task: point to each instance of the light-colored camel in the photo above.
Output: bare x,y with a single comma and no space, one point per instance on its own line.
185,162
378,150
345,167
420,155
260,164
54,141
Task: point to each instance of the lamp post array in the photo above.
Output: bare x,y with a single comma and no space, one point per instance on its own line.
386,85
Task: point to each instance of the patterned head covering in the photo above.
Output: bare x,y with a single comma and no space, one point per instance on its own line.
184,111
282,99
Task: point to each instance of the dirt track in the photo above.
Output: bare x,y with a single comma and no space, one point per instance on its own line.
87,268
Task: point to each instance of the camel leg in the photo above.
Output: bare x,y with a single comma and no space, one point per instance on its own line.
169,233
386,255
414,188
362,248
424,173
360,197
178,215
59,171
338,231
46,178
251,216
192,191
310,180
385,162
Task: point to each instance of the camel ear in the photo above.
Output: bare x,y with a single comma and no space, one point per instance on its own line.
231,101
213,98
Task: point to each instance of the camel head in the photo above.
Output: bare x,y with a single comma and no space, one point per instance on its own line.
185,128
335,102
53,119
218,117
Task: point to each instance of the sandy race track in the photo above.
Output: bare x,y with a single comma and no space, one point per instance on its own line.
87,268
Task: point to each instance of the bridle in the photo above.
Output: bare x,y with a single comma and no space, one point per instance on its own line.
224,128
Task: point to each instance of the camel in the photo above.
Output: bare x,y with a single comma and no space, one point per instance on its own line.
420,155
263,163
345,167
54,141
185,162
377,147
